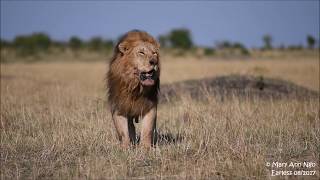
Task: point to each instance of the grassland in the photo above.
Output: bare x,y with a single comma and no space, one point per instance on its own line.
55,124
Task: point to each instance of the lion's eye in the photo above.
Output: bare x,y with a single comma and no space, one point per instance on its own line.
156,54
141,52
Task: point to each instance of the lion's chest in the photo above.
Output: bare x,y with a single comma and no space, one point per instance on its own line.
136,106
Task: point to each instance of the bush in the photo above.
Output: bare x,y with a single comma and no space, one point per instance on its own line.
32,44
4,43
23,46
75,43
95,44
311,41
267,40
108,45
59,45
233,46
180,38
41,41
209,51
241,47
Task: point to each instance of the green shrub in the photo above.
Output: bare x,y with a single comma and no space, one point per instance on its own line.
209,51
28,45
108,45
180,38
311,41
75,43
267,40
95,44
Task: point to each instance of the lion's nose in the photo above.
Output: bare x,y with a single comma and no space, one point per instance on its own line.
153,62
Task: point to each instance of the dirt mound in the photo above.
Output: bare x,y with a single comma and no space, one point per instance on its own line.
236,85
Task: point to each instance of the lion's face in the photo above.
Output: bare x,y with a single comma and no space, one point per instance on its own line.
145,59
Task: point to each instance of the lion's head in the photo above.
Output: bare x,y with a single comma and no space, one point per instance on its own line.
141,51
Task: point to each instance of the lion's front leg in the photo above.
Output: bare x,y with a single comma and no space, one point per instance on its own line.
124,128
148,128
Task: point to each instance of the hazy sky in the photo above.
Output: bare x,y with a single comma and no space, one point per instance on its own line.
209,21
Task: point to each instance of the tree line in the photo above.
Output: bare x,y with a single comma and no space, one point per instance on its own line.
180,39
41,43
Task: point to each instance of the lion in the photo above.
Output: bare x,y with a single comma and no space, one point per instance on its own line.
133,84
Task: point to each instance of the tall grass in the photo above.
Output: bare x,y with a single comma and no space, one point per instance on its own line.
55,124
74,137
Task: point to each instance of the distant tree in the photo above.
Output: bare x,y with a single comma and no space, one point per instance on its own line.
241,47
95,44
23,46
238,45
267,40
41,41
180,38
232,46
75,43
108,45
59,44
32,44
208,51
311,41
4,43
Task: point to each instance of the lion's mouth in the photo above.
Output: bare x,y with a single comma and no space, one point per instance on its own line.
148,78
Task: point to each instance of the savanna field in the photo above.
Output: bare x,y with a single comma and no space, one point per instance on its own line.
56,124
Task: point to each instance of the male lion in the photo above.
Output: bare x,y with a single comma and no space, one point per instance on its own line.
133,84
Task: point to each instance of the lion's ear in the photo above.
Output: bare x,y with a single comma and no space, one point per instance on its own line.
123,47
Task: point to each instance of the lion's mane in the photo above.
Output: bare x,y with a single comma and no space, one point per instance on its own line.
125,93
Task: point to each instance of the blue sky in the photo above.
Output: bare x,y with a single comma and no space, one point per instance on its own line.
209,21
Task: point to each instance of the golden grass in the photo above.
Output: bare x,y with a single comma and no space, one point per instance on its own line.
55,124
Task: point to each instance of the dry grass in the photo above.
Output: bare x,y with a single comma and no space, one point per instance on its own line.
55,124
